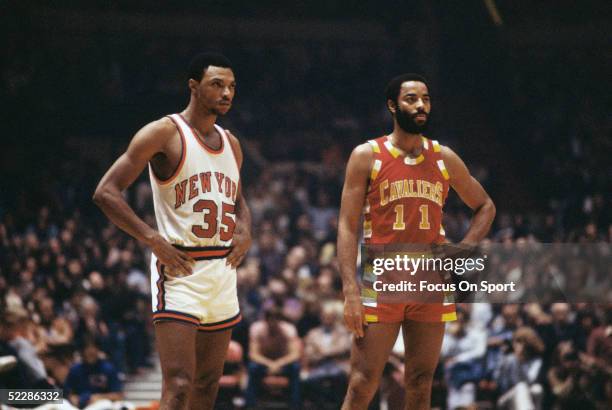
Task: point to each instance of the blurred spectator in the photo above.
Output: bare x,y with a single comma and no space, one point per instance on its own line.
568,381
500,332
274,349
561,327
19,356
57,329
231,380
519,375
462,352
326,356
93,379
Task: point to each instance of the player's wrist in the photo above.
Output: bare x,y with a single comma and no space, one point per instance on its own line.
151,239
351,293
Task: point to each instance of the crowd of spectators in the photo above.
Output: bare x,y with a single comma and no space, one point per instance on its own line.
66,282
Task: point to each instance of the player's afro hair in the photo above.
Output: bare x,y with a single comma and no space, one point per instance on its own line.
200,63
393,88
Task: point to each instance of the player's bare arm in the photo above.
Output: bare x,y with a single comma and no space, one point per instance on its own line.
152,140
353,198
241,241
472,194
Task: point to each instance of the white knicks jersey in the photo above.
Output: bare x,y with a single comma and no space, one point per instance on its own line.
195,207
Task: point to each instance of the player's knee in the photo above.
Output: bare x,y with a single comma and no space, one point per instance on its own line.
180,383
362,385
208,380
419,379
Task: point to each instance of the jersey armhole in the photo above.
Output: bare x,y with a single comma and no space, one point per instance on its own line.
231,145
437,150
377,163
166,181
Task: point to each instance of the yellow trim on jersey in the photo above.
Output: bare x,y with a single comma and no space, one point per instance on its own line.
366,207
367,229
395,152
436,146
425,143
414,161
374,146
443,169
375,169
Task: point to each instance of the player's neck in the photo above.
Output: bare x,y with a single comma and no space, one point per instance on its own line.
203,123
407,142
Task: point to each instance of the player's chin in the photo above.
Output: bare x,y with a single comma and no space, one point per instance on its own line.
222,110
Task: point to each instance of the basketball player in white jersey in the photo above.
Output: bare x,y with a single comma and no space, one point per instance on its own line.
203,231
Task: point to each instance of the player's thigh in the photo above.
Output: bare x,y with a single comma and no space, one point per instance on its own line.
211,350
370,353
422,343
176,345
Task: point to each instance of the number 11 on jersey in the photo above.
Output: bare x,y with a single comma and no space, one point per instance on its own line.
400,225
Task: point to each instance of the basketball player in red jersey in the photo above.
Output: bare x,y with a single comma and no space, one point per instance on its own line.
203,231
399,182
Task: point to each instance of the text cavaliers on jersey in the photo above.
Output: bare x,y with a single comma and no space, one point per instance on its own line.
405,195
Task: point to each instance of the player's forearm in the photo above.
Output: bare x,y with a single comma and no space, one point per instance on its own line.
481,223
111,202
243,215
347,258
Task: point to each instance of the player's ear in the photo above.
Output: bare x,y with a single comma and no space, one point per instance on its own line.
193,84
391,106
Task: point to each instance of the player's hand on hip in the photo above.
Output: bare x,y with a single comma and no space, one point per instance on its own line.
241,243
178,263
354,315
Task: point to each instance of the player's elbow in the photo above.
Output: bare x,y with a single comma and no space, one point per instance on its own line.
488,208
492,208
100,196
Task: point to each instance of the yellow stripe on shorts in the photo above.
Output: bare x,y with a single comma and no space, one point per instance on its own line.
371,318
449,317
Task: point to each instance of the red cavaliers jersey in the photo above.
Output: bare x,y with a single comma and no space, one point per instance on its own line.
405,195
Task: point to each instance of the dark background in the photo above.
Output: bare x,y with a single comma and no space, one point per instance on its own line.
523,102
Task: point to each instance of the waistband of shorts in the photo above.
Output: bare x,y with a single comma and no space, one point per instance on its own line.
204,253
